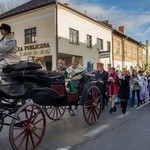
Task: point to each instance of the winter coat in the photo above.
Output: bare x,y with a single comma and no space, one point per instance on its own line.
135,84
124,88
8,50
103,77
112,85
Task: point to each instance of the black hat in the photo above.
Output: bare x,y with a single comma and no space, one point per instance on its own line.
5,27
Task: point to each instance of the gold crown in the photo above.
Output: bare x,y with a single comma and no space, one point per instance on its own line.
124,69
61,61
76,59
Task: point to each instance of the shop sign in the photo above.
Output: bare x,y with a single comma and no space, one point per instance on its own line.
37,49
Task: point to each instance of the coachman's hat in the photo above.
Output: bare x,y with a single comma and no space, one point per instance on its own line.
5,27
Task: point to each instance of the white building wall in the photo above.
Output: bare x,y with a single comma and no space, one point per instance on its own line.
44,19
68,19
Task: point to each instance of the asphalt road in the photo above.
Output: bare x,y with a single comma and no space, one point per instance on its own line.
113,132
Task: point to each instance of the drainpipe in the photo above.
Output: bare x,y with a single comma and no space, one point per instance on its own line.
123,51
138,56
112,49
57,55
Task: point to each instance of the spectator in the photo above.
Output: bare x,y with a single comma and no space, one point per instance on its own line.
112,88
102,76
135,88
124,89
144,83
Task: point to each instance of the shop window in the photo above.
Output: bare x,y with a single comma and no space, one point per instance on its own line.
73,36
30,35
89,41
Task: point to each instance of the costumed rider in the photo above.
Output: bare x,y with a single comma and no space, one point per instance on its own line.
8,47
73,75
61,65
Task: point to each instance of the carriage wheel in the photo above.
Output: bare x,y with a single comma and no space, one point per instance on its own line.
1,123
92,108
28,127
54,112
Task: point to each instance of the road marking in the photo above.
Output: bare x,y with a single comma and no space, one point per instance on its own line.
143,105
65,148
96,131
122,115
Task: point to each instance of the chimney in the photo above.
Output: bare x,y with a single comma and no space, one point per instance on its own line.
121,29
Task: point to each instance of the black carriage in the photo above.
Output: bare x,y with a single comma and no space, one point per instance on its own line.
27,90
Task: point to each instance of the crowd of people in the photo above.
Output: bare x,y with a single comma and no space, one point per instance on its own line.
128,88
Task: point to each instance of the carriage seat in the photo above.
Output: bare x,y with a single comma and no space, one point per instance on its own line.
13,91
24,65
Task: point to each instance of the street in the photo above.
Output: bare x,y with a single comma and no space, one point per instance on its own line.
113,131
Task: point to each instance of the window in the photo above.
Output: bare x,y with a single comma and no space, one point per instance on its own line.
89,41
108,46
74,36
129,51
30,35
117,48
99,44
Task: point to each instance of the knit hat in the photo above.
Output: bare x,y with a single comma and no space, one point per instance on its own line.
5,27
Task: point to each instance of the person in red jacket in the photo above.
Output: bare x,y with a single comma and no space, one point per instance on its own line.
112,88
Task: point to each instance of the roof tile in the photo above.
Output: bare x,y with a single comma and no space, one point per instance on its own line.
32,4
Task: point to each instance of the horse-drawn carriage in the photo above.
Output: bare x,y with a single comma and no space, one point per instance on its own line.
27,92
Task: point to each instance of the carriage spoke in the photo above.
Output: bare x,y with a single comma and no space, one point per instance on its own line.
26,114
19,135
51,110
57,112
38,121
36,116
36,135
32,141
27,141
96,113
54,112
31,114
22,140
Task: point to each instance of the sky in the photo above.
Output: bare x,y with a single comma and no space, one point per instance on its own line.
133,14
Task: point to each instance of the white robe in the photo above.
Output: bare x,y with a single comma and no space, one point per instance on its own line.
144,94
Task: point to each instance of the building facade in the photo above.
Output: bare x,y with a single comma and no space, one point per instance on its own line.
127,52
52,30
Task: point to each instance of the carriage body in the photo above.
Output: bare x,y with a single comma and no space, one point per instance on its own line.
26,81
